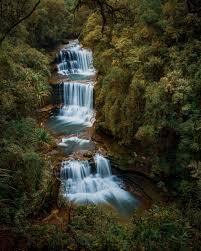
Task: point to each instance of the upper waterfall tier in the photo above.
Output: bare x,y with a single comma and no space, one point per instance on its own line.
74,59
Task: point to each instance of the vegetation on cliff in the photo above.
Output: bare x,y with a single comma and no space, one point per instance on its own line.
148,58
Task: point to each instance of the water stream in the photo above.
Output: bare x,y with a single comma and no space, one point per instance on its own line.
80,182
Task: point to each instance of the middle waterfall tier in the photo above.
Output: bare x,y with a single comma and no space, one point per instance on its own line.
78,103
76,113
78,94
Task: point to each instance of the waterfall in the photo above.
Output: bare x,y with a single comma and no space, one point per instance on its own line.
82,185
74,59
100,163
81,181
78,94
78,103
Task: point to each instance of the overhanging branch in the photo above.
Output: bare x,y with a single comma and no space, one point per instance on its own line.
18,22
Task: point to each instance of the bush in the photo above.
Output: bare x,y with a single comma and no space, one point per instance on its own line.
161,229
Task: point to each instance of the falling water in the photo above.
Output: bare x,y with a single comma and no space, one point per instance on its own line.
77,111
78,94
103,166
74,59
81,185
80,182
78,103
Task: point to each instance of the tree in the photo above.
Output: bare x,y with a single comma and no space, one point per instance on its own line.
107,9
14,12
49,24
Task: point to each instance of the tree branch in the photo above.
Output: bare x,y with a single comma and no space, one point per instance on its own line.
103,7
18,22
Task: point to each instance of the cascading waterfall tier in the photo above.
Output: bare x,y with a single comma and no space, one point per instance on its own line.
81,185
78,103
74,59
79,94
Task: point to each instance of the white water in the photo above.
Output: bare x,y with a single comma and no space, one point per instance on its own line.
65,141
80,185
74,59
78,104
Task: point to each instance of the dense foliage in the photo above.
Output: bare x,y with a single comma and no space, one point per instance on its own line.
148,56
24,71
158,229
148,90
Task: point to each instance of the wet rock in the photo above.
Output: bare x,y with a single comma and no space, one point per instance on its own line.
162,186
131,161
82,155
87,154
53,152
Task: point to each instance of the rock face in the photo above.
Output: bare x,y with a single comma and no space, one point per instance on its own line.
57,94
45,112
82,155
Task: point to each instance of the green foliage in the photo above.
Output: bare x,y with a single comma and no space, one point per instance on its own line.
22,168
100,232
146,133
161,228
42,135
148,58
158,228
148,86
49,23
24,74
47,237
13,13
150,11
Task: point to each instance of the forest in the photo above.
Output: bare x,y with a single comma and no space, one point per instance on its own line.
147,96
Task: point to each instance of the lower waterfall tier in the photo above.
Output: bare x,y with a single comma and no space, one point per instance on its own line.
82,185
